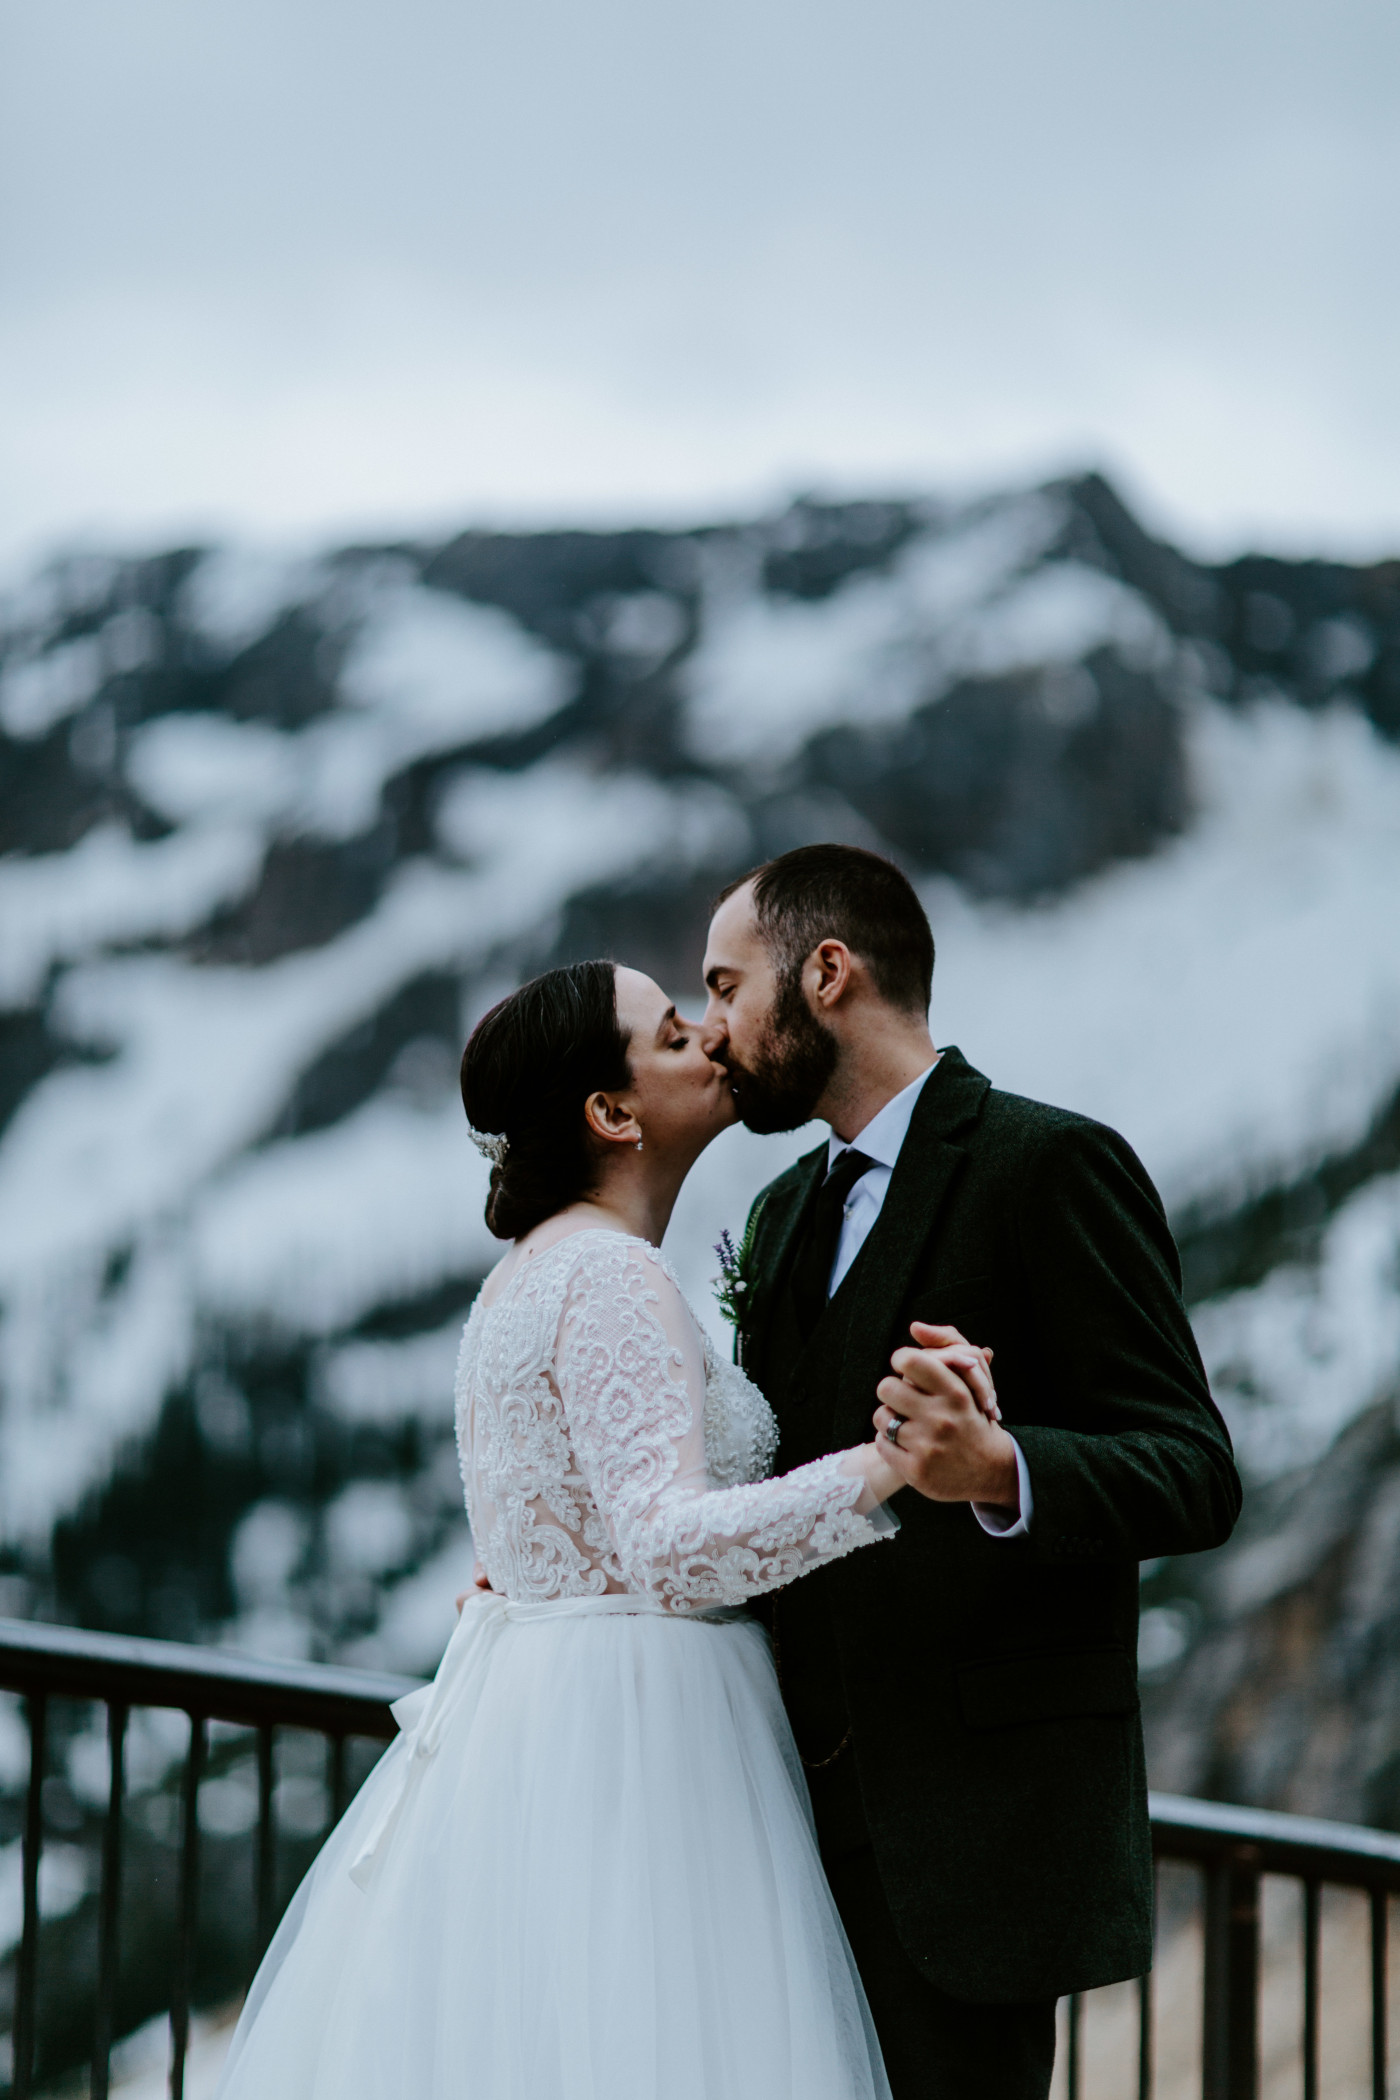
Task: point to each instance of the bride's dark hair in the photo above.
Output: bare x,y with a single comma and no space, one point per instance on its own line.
529,1067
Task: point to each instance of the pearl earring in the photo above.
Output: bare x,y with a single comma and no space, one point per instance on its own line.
639,1144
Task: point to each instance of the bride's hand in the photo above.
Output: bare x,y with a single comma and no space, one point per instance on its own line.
880,1477
480,1581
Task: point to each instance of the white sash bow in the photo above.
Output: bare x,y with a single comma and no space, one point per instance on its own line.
423,1715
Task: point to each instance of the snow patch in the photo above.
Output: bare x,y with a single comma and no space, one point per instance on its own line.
41,688
388,1382
108,890
38,691
1232,1005
190,767
369,1528
85,1370
559,827
309,1235
771,672
426,674
64,1879
458,670
235,594
642,626
204,1059
1058,615
1295,1359
266,1553
419,1613
141,2063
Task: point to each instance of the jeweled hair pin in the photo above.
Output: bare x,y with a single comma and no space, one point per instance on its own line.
492,1145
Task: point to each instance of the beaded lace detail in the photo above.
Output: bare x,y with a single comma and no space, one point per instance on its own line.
605,1445
741,1430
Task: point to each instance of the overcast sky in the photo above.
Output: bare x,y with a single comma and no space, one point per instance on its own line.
289,266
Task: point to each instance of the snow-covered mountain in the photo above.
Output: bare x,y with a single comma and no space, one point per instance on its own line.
277,830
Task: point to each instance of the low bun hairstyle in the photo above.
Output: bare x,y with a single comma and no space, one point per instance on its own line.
529,1067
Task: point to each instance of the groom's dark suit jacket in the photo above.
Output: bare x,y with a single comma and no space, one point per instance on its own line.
990,1685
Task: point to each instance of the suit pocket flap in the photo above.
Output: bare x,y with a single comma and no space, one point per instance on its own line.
964,1302
1047,1687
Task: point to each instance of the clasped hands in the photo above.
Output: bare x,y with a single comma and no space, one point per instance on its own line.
942,1405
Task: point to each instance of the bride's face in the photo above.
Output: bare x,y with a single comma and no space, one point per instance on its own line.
681,1097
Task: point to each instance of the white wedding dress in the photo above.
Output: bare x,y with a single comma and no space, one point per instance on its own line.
585,1870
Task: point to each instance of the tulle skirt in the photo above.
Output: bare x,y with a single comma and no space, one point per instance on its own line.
585,1870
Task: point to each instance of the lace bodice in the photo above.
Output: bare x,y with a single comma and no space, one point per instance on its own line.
605,1445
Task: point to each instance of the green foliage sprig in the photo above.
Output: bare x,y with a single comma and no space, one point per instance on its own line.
734,1283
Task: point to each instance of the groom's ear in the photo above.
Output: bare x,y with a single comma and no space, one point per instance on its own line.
829,974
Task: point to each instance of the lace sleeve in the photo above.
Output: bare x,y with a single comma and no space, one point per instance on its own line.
630,1371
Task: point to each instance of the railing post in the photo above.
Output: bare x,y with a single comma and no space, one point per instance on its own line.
27,1971
109,1903
1072,2050
267,1842
1230,2023
189,1912
335,1777
1145,2010
1380,1920
1312,1919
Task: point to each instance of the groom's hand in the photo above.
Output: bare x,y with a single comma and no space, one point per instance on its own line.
951,1445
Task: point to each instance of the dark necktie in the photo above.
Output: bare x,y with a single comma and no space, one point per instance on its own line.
811,1268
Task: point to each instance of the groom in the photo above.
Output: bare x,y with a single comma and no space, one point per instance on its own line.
965,1700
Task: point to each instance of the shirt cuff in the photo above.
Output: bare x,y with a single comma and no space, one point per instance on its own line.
999,1522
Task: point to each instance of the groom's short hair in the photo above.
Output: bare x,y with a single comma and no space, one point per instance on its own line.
843,893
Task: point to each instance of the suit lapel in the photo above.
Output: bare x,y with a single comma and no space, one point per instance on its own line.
924,1173
781,1231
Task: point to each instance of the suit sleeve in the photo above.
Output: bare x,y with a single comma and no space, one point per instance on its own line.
1134,1460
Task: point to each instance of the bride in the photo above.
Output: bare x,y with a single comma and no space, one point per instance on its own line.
586,1870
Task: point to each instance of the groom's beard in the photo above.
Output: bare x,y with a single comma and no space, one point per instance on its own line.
789,1075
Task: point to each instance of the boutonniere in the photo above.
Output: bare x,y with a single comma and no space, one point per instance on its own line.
734,1283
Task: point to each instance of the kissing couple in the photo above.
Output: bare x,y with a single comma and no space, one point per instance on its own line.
789,1748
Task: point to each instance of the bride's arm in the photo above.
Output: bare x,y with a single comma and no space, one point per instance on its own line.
630,1371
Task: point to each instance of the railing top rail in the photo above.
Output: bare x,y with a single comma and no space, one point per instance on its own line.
1304,1845
66,1661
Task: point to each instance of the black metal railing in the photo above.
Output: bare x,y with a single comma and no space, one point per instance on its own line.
1233,1849
44,1663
